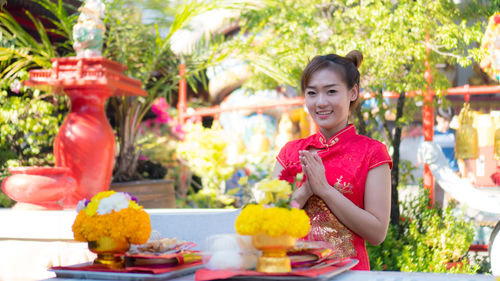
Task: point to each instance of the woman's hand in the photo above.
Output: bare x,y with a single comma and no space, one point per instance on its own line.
301,195
313,168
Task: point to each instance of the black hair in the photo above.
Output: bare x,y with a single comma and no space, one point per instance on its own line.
445,112
346,66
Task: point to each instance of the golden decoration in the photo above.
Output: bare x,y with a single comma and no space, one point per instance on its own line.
109,251
273,258
466,139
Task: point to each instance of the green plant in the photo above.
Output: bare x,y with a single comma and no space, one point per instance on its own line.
148,57
29,122
204,149
427,239
19,50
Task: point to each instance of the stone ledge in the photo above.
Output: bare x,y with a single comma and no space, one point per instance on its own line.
187,224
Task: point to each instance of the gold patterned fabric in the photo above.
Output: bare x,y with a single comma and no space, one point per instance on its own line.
326,227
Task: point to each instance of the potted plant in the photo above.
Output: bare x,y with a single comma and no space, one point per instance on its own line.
149,58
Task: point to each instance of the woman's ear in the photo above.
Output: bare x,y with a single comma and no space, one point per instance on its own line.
354,93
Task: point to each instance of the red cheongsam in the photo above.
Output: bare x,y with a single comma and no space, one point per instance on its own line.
347,158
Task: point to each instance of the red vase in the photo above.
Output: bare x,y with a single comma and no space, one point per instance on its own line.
86,143
84,148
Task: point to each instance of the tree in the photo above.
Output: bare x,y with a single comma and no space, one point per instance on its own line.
284,35
148,57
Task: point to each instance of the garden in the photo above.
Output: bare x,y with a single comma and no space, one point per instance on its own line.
254,56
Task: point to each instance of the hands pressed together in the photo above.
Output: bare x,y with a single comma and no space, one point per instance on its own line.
315,182
369,222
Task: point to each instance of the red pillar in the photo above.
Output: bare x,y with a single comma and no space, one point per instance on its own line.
428,120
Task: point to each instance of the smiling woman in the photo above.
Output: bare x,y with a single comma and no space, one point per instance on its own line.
346,186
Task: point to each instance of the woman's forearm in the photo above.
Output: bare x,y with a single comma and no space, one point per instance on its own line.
353,217
371,221
300,196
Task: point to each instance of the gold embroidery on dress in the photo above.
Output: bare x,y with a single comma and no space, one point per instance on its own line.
326,227
328,143
345,187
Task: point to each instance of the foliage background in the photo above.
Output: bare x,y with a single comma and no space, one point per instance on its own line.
29,119
427,239
278,38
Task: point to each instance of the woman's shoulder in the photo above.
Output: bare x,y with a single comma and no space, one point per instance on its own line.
299,143
361,139
289,153
374,150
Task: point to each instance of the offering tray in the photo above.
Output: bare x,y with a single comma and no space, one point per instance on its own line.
138,267
323,271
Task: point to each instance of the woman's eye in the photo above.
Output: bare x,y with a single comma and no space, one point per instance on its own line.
310,93
332,91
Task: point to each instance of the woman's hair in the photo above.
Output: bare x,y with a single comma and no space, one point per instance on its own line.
346,67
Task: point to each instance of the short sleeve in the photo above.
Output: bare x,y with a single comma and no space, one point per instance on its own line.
282,157
379,156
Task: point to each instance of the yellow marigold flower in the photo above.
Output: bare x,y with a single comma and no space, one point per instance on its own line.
300,223
275,221
103,194
132,223
249,220
92,207
134,205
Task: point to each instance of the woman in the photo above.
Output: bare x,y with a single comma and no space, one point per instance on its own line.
347,185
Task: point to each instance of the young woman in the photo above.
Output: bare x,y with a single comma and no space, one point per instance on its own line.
347,186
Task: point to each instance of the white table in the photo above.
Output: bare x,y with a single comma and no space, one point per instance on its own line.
46,237
371,275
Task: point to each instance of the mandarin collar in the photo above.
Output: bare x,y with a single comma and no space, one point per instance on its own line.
319,140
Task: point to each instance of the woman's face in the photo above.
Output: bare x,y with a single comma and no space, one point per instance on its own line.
328,99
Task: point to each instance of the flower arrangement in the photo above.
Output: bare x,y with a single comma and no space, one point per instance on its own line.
273,214
273,221
111,214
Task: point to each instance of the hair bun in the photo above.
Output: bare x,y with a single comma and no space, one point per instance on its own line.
356,57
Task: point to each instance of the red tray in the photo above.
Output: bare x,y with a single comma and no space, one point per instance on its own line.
323,271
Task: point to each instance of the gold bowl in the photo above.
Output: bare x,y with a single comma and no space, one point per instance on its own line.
109,251
273,258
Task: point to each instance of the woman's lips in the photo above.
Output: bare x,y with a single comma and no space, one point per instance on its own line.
323,114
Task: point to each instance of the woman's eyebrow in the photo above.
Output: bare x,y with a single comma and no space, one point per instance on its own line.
326,86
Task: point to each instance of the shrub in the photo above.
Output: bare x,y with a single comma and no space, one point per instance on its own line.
28,126
427,239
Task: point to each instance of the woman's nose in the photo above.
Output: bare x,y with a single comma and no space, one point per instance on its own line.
321,101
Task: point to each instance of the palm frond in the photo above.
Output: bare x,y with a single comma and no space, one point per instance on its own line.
15,30
64,22
44,38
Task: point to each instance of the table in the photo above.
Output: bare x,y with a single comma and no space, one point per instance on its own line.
371,275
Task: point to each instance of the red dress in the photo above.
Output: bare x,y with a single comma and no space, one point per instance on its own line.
347,158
